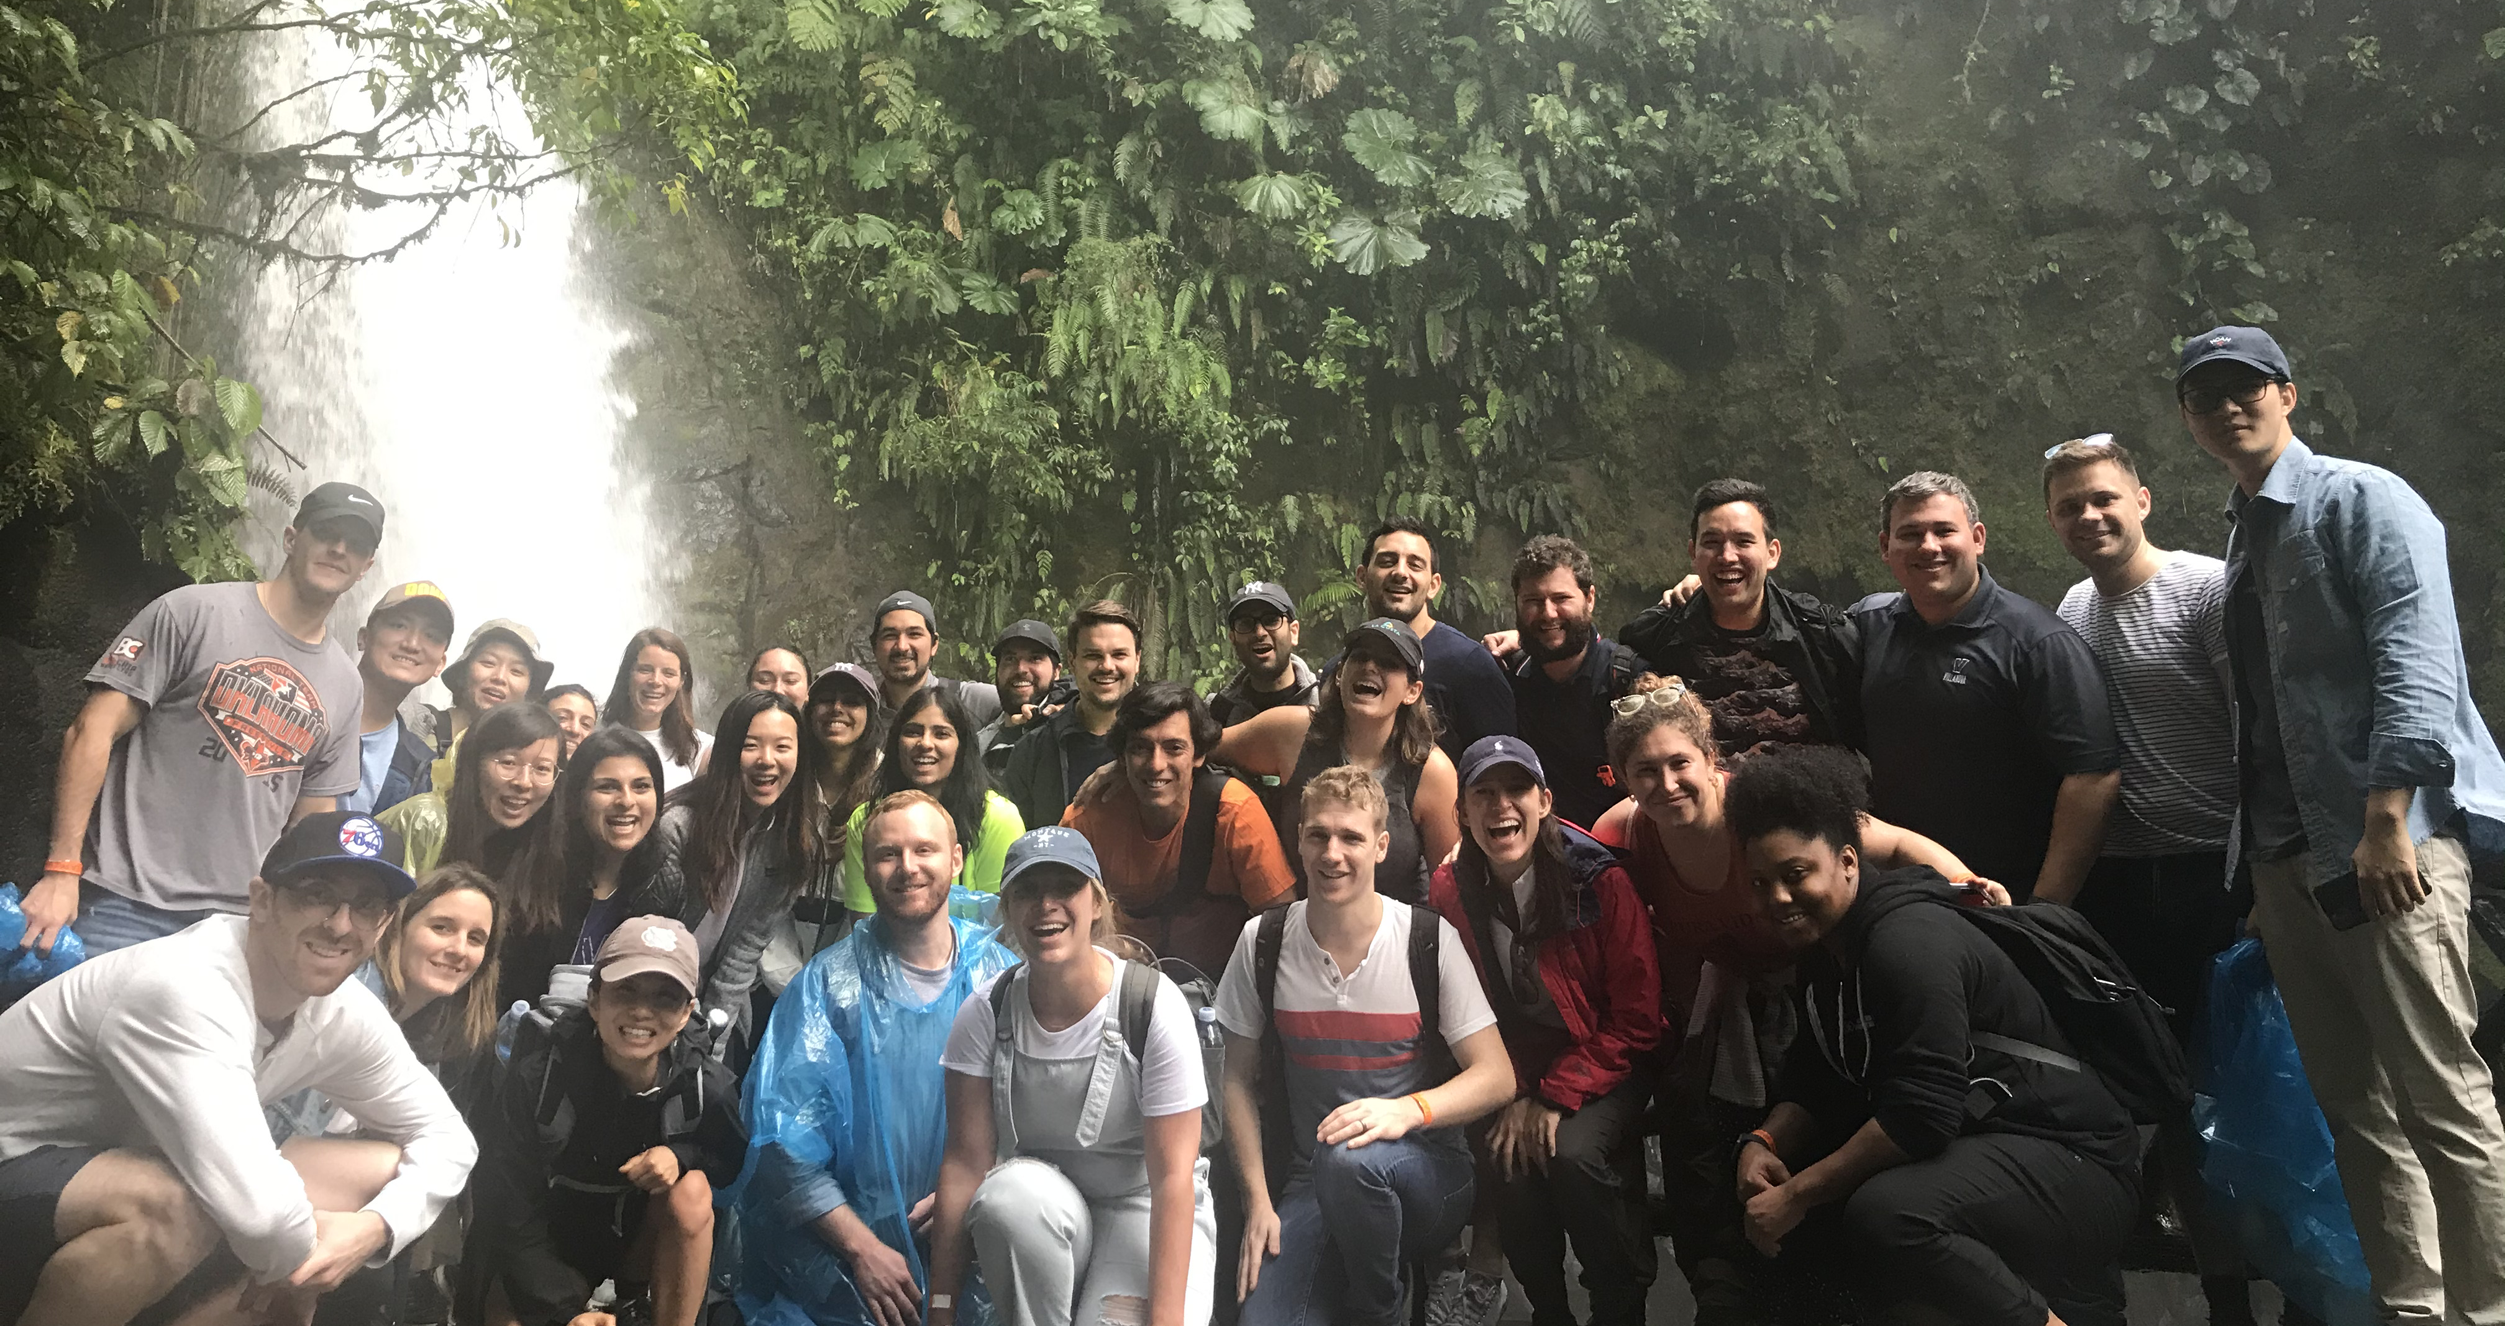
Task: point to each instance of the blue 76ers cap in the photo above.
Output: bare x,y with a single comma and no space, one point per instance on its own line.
341,838
2249,346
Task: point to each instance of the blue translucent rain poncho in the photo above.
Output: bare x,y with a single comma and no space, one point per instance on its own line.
845,1107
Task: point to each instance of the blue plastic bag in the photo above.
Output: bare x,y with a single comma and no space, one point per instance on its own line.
22,970
2268,1164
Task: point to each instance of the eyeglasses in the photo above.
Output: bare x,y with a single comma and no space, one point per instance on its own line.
1247,623
2091,440
366,906
2210,400
1628,706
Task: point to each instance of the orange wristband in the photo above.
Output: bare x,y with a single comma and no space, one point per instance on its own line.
64,868
1426,1112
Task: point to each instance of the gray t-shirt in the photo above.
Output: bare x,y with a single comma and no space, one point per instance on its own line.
242,719
2163,649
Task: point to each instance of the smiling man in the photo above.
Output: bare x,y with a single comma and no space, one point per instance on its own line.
1566,676
2368,778
904,637
1261,627
218,716
1058,753
846,1118
1188,851
401,648
132,1141
1773,666
1985,717
1026,677
1465,686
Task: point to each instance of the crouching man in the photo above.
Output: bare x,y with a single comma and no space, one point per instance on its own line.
132,1141
1982,1170
1358,1044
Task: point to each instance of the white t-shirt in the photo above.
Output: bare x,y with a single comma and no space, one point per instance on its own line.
675,775
928,983
1170,1075
1350,1036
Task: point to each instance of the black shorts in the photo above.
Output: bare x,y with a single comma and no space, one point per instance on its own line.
591,1231
30,1197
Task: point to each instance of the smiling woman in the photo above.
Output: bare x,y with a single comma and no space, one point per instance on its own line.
930,749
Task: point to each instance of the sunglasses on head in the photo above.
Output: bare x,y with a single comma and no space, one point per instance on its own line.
2091,440
1628,706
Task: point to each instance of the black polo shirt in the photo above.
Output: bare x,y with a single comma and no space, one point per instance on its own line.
1567,722
1972,724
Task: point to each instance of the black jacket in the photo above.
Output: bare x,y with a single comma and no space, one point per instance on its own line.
1888,1007
1038,777
1816,642
554,1103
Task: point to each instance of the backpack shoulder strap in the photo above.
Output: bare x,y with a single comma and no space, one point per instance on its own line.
1426,973
1624,666
1003,1030
1267,941
1136,1006
1200,836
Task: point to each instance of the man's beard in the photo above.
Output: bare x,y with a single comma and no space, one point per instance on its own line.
1578,638
1269,674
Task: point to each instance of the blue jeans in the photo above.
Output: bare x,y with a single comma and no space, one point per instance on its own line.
107,921
1348,1226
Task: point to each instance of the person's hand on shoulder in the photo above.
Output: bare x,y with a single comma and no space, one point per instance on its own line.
1683,591
1098,788
1503,644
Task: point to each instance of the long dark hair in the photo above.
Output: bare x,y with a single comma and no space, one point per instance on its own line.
724,814
678,722
966,789
606,742
1413,728
525,860
1552,884
463,1024
855,780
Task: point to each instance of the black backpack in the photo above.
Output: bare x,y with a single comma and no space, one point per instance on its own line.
1134,1004
2118,1029
1426,975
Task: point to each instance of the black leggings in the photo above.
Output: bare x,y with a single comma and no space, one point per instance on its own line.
1996,1229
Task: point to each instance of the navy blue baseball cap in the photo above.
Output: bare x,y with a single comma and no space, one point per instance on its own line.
2249,346
341,838
1395,633
1052,845
1488,752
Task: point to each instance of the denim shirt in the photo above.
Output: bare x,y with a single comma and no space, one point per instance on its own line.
2365,653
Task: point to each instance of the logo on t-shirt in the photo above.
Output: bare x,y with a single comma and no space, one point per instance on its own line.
1956,674
264,713
124,653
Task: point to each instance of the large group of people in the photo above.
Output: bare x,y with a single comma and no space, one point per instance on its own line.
1354,991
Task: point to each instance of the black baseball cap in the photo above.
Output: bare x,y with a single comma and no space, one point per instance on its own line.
340,499
1034,633
1395,632
2249,346
1488,752
904,598
348,838
1262,591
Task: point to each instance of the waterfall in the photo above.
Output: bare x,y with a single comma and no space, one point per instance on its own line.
468,384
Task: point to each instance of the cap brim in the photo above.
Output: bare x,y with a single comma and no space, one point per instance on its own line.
1028,868
1489,766
396,882
426,603
636,964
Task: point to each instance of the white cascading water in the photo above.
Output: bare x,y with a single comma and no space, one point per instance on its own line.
467,383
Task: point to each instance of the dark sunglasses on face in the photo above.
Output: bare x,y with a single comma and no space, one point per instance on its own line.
2211,399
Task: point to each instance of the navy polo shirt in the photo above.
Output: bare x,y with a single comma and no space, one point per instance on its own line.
1567,722
1469,689
1973,723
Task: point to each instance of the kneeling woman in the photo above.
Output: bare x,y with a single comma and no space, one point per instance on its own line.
1981,1170
609,1134
1565,952
1073,1170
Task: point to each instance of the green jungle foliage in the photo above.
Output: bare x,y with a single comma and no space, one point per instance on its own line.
1146,296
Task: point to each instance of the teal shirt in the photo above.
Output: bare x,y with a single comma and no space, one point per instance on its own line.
984,857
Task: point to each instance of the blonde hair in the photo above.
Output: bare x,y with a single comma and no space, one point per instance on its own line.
907,800
1348,785
1106,933
1687,714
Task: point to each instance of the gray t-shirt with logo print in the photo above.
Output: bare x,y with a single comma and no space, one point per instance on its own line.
242,719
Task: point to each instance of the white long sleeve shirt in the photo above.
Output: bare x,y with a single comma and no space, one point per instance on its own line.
157,1047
